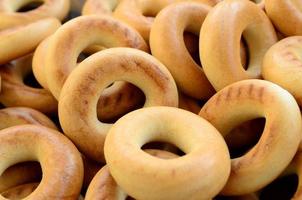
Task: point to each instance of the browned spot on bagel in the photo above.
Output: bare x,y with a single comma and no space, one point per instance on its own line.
239,91
218,98
229,93
260,94
250,89
154,73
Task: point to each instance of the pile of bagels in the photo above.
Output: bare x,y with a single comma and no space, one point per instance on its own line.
149,99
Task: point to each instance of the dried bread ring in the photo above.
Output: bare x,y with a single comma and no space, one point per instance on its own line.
60,161
50,8
99,7
16,93
286,15
250,99
220,57
282,65
167,45
103,186
20,191
201,142
77,104
63,51
12,42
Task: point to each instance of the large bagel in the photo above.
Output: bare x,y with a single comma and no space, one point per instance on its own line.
250,99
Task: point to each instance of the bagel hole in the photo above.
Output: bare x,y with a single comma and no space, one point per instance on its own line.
88,51
192,44
282,188
30,6
31,81
257,1
165,146
243,137
113,107
244,53
31,172
82,57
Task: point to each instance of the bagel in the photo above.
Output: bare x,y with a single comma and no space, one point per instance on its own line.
99,7
250,99
16,93
103,186
167,45
282,65
13,43
220,41
286,15
202,179
63,51
60,161
20,192
10,16
77,104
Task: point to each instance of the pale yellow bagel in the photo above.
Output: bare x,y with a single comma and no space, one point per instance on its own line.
60,161
250,99
16,93
103,186
200,174
13,43
77,104
282,65
50,8
77,34
167,44
20,192
220,41
286,15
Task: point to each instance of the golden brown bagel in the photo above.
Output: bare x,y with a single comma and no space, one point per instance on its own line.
167,44
79,33
60,161
286,15
250,99
11,17
201,143
282,65
103,186
16,93
220,41
20,191
77,104
13,43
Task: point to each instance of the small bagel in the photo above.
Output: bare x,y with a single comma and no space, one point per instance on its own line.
220,41
13,43
202,179
282,65
103,186
50,8
16,93
20,192
286,15
250,99
60,161
77,104
63,51
167,45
